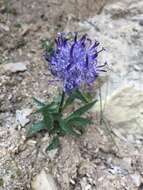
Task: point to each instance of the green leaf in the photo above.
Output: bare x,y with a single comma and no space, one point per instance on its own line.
78,121
57,116
88,96
54,144
52,108
81,96
36,128
82,110
48,120
75,95
39,103
68,129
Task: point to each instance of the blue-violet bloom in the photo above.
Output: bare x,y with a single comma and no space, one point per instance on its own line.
74,61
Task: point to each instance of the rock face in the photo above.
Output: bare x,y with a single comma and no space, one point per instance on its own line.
83,8
127,107
120,31
124,110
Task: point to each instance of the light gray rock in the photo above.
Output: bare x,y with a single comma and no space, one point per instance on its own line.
127,109
15,67
136,179
124,111
119,31
4,28
21,116
43,181
117,170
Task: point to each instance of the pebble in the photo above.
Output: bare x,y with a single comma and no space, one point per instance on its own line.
141,22
44,181
21,116
136,179
4,28
15,67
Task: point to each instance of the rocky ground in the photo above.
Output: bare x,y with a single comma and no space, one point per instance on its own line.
109,154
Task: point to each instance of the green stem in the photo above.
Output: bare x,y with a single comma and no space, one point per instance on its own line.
62,102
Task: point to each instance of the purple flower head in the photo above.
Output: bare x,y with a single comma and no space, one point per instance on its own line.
74,61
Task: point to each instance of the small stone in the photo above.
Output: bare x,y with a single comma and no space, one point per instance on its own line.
136,68
141,22
72,181
52,153
15,67
21,116
4,28
136,179
43,181
25,29
115,170
31,142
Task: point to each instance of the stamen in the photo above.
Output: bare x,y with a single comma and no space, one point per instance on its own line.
90,42
102,65
103,49
96,43
75,37
101,70
83,38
